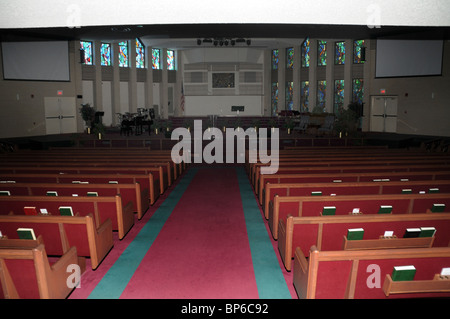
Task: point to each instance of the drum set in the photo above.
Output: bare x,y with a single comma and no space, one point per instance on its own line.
136,122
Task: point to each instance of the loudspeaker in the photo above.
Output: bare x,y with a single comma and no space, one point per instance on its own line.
363,54
81,56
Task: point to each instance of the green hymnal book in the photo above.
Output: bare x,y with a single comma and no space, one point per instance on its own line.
355,233
433,190
66,211
5,193
113,182
316,193
328,210
412,232
92,194
403,273
427,231
407,191
26,233
52,193
438,208
385,209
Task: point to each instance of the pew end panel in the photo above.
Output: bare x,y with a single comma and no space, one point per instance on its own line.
281,210
27,273
426,269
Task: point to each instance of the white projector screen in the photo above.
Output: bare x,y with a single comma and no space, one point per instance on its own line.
403,58
40,61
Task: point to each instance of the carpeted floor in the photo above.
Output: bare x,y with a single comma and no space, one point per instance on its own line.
205,239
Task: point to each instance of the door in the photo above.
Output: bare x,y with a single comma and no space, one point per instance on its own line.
60,115
383,114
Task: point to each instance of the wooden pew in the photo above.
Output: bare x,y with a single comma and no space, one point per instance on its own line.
103,156
329,232
367,204
102,208
26,273
129,192
366,274
149,188
62,232
156,172
326,154
352,188
403,164
159,169
352,177
349,169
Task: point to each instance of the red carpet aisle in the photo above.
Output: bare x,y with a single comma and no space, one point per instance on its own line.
202,251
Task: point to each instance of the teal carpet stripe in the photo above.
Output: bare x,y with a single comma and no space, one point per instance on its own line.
116,279
268,274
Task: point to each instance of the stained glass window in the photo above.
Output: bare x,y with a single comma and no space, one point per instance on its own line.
275,59
290,58
321,94
105,52
305,53
304,96
289,96
321,53
358,90
274,98
140,54
123,54
156,59
339,53
170,60
338,95
88,52
358,46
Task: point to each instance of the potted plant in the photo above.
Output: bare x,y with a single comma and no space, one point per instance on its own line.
156,125
88,115
167,131
289,125
187,124
346,121
99,129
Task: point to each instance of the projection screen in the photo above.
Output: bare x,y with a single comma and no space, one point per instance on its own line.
40,61
404,58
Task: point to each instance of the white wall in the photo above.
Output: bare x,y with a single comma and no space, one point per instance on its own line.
221,105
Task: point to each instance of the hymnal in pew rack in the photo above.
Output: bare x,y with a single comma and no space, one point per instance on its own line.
438,208
65,211
328,210
385,209
30,210
26,233
403,273
355,233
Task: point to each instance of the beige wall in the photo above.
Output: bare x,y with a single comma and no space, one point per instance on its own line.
423,102
22,110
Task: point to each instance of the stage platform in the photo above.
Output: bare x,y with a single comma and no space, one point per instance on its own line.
113,138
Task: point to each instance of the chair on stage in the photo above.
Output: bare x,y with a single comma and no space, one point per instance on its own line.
302,125
327,126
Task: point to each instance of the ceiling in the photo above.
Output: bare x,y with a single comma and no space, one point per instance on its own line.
184,36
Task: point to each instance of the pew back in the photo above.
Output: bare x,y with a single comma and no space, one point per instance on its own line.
350,274
328,232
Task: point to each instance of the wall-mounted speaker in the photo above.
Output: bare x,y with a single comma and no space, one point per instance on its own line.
81,56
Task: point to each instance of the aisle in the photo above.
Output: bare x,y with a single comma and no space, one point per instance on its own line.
207,240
